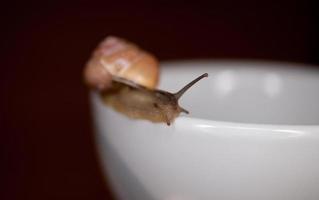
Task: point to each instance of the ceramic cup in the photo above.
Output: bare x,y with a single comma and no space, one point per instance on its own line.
252,133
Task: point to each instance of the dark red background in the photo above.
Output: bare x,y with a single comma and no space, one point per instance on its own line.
47,149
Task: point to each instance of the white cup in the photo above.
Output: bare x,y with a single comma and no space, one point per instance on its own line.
252,134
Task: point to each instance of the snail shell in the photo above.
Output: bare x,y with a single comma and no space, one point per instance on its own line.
118,57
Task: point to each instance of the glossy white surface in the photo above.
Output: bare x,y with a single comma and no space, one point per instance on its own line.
233,144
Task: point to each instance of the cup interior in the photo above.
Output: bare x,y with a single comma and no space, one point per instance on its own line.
247,92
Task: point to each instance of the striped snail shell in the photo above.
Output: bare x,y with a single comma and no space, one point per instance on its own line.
117,57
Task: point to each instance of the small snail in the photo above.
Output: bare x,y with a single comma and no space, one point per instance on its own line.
126,77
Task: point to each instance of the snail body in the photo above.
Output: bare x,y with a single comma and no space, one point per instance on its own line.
126,77
137,101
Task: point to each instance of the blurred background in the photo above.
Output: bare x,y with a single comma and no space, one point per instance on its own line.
47,146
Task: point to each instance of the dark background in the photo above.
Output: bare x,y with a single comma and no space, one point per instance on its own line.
47,149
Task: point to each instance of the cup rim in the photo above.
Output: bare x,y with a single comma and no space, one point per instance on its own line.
193,121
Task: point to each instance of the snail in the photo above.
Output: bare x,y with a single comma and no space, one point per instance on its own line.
126,78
